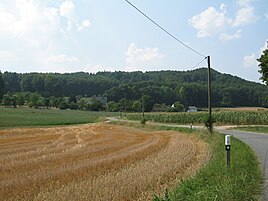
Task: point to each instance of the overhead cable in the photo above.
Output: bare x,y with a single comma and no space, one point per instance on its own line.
172,36
198,63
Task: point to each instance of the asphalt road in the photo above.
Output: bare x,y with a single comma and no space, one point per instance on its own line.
259,143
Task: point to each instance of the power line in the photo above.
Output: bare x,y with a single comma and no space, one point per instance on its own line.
198,63
172,36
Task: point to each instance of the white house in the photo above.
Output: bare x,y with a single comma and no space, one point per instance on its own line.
192,109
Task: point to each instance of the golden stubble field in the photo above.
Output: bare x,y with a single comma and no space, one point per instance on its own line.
95,162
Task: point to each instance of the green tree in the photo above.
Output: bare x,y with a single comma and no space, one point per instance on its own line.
82,102
47,102
2,86
94,104
7,100
73,106
148,103
264,66
112,106
12,82
20,98
35,100
63,103
125,104
54,101
136,106
178,106
14,100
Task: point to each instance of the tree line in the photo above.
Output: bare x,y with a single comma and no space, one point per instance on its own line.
124,90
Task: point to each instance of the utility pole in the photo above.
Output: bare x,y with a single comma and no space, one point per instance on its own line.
209,96
142,100
143,117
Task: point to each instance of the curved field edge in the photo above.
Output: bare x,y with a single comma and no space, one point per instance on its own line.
28,117
243,180
95,162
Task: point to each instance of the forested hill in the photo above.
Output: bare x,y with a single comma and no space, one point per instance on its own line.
187,87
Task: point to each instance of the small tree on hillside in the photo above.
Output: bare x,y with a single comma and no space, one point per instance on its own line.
7,100
35,100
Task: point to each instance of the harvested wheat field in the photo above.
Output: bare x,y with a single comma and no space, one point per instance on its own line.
94,162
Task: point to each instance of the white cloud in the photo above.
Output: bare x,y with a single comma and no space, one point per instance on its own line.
250,61
264,47
52,15
9,23
210,22
67,10
97,68
7,55
62,59
31,17
27,10
26,20
223,8
244,3
227,37
30,27
85,24
138,56
245,16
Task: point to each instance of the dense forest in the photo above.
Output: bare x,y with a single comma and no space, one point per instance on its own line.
125,89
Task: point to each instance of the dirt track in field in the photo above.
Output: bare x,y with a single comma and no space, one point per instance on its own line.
94,162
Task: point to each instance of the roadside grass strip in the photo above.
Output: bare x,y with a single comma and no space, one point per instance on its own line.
243,180
256,129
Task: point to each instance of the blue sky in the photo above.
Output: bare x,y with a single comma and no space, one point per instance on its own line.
97,35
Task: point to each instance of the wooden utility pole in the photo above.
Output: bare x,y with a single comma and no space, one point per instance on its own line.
209,86
142,100
209,95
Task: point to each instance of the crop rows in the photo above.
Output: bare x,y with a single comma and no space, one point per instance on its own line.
226,117
94,162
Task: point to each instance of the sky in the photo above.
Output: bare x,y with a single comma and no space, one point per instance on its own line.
109,35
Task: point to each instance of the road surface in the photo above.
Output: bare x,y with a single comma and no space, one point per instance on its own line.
259,143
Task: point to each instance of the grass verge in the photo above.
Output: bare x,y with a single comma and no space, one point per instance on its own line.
256,129
241,181
22,117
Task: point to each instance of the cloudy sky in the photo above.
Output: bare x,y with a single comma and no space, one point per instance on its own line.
97,35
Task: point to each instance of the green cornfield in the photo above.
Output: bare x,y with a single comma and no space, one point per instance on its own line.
220,118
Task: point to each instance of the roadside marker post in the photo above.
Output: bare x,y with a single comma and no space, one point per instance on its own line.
228,148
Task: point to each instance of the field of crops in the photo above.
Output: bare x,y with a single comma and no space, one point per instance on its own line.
220,118
21,117
95,162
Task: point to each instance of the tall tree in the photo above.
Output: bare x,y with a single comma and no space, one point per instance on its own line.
12,82
264,66
2,86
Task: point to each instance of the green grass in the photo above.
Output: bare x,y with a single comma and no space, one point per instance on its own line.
215,181
241,181
22,117
256,129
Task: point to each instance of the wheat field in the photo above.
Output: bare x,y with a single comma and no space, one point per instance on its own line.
95,162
